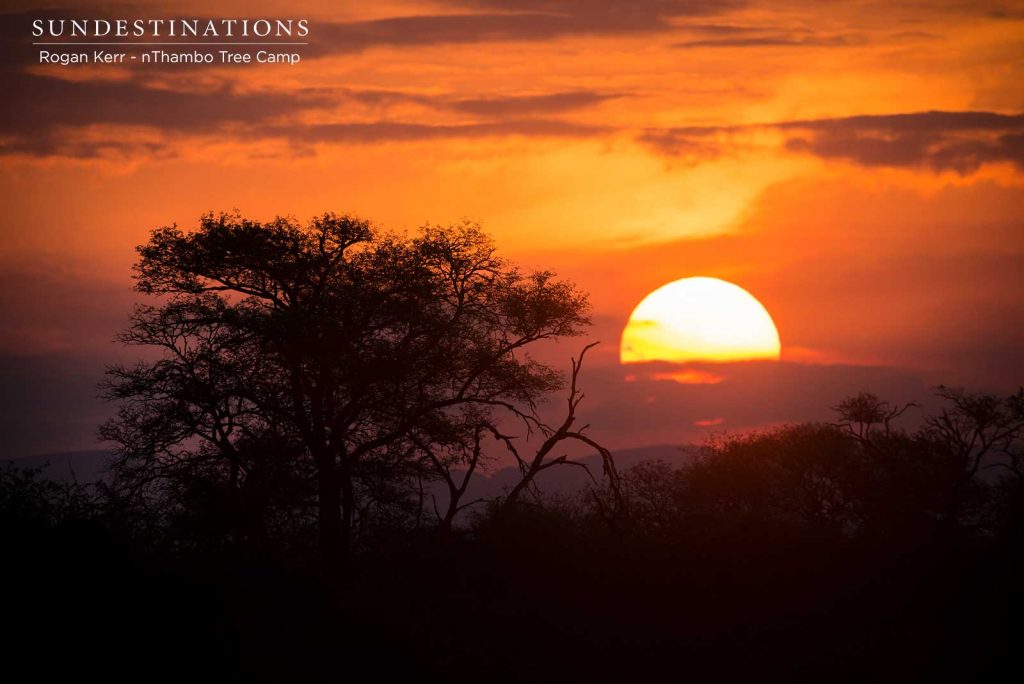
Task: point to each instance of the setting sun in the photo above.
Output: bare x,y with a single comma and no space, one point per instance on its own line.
699,319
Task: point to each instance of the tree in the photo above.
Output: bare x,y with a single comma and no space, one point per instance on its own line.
456,457
345,347
979,429
861,414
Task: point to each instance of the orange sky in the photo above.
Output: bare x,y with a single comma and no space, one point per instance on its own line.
857,166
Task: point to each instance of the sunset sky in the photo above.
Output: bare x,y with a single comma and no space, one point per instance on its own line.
857,166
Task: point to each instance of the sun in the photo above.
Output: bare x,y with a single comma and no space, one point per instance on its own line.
699,319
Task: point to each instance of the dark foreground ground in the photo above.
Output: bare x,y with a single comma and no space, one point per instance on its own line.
536,599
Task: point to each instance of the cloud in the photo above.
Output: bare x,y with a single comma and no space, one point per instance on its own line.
52,122
389,131
471,21
690,144
488,107
48,114
772,40
732,36
44,114
42,117
52,114
940,141
512,20
550,103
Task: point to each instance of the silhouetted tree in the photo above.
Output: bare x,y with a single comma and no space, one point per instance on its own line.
457,454
861,414
979,429
337,343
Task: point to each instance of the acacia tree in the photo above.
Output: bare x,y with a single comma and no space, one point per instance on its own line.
332,338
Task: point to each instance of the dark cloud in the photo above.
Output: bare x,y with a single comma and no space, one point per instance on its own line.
607,8
46,114
386,131
473,21
551,103
689,144
414,31
941,141
505,20
725,35
488,107
776,40
41,115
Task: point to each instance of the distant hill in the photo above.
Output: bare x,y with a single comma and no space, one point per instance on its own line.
69,466
567,479
90,466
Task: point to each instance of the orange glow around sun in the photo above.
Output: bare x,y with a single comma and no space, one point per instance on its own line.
699,319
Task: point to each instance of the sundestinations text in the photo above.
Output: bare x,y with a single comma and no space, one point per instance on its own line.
170,28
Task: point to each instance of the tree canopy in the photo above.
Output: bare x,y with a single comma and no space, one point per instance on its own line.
332,353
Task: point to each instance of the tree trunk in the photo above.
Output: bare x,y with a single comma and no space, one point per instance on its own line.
447,523
329,518
348,505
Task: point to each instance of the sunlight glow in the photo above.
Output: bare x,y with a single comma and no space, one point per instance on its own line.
699,319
